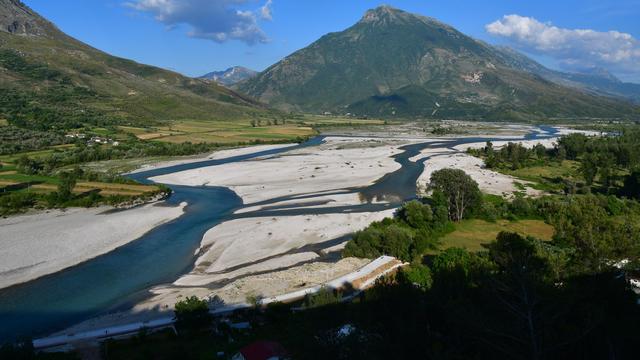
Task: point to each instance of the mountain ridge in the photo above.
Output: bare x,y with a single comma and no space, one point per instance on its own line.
393,63
230,76
596,80
50,79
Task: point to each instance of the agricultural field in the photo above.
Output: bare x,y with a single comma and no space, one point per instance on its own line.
328,120
11,180
197,131
472,234
228,132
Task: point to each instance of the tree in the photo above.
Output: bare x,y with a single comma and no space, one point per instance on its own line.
518,285
461,191
418,275
573,145
325,296
583,224
397,242
66,185
631,186
589,168
192,313
416,214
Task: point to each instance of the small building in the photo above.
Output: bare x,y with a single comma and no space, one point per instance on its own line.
262,350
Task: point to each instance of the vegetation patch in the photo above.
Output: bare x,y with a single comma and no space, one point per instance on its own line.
475,234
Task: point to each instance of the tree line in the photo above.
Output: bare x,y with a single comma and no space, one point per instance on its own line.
613,161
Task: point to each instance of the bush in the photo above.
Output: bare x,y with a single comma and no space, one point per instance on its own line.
16,201
325,296
418,275
192,313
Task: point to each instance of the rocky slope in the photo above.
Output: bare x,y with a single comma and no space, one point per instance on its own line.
231,76
50,80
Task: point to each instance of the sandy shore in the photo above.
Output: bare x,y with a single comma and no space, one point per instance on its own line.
547,143
339,164
490,182
245,241
32,246
269,255
272,283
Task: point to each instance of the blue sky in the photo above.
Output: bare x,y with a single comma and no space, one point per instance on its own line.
197,36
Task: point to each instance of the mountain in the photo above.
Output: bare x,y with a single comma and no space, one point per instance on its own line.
16,18
393,63
49,79
596,80
231,76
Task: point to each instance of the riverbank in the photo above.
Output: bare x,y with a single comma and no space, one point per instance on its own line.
297,211
35,245
490,182
339,163
217,155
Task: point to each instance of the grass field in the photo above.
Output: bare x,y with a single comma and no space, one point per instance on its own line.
10,180
322,120
472,234
551,177
221,132
547,177
228,132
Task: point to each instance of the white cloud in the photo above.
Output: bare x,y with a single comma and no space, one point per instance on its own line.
266,11
217,20
574,48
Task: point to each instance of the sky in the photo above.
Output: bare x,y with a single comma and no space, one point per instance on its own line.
194,37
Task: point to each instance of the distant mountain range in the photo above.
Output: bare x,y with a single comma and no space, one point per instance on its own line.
596,80
396,64
49,79
390,64
231,76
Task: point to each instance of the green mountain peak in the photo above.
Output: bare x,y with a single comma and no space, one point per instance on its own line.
396,64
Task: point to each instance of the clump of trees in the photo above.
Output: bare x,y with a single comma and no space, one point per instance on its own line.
415,229
192,314
521,298
14,139
611,161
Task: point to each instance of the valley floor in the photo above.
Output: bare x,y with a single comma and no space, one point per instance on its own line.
299,208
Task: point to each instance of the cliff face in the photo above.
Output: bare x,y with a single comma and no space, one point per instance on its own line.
17,18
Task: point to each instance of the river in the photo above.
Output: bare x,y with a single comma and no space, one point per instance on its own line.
123,276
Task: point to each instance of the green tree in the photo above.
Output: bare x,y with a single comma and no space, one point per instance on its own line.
461,191
583,224
589,168
325,296
573,145
397,242
416,214
365,243
519,285
192,313
66,185
631,186
418,275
